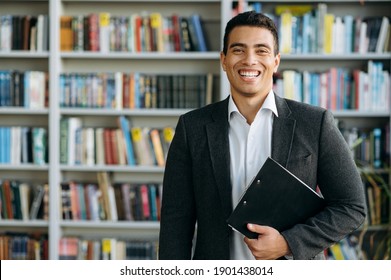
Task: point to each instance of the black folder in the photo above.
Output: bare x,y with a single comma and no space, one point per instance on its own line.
275,198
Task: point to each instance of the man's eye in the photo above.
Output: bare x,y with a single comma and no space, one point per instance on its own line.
262,51
237,50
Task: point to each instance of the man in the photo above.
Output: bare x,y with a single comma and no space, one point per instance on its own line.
218,149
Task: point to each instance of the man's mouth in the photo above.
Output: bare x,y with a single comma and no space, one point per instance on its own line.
249,74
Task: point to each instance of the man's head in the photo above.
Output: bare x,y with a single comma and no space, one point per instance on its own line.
250,57
251,19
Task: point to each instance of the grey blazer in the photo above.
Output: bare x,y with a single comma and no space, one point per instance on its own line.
197,188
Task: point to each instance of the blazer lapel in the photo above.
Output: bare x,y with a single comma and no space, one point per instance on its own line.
217,133
283,130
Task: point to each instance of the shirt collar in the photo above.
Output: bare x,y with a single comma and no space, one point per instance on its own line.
269,103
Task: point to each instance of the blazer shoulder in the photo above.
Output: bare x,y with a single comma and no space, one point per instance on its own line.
297,106
217,109
304,111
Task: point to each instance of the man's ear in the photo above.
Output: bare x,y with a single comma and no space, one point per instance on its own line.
222,60
276,62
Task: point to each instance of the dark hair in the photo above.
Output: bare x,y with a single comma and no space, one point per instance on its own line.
251,18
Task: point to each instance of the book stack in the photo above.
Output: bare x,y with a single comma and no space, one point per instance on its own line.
23,201
135,90
339,88
28,89
123,145
105,201
305,29
22,246
21,145
75,248
24,32
144,32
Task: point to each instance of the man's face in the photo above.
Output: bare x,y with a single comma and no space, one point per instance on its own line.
250,61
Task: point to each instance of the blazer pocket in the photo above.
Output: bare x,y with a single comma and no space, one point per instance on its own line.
303,167
300,159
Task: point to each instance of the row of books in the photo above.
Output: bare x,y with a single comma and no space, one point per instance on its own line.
24,32
75,248
21,145
346,249
22,246
338,88
23,201
307,29
27,89
145,32
124,145
369,146
366,244
135,90
377,194
241,6
106,201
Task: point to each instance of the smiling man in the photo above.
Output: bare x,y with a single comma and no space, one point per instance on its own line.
218,149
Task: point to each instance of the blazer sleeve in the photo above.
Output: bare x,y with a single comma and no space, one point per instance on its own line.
178,211
340,184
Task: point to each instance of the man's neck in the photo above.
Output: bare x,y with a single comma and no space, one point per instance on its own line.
249,106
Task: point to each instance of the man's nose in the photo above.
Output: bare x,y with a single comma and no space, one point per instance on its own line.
250,58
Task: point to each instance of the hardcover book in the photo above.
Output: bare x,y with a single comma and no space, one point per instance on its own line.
275,198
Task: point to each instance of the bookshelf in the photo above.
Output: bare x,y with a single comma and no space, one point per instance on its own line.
172,63
215,13
25,60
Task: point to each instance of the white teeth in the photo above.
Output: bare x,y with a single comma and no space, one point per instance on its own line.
249,74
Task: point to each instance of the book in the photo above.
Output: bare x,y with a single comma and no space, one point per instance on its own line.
45,202
66,207
105,187
186,43
66,33
126,200
100,154
92,199
275,198
39,145
328,33
142,146
156,24
7,198
68,248
24,191
146,210
75,205
286,32
121,146
153,196
157,146
119,201
381,41
124,124
197,33
104,32
36,203
336,252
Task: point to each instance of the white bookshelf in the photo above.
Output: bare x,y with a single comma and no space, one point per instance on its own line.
145,62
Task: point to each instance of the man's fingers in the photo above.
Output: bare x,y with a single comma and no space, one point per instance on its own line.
258,228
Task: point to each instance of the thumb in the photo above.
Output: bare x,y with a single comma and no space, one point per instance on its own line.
258,228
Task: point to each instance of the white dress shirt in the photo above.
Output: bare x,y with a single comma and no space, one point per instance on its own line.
249,147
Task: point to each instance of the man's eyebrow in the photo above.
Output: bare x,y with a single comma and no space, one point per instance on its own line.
233,45
262,46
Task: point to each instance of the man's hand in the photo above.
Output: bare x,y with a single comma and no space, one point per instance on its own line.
270,244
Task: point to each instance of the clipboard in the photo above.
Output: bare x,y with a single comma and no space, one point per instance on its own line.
275,198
